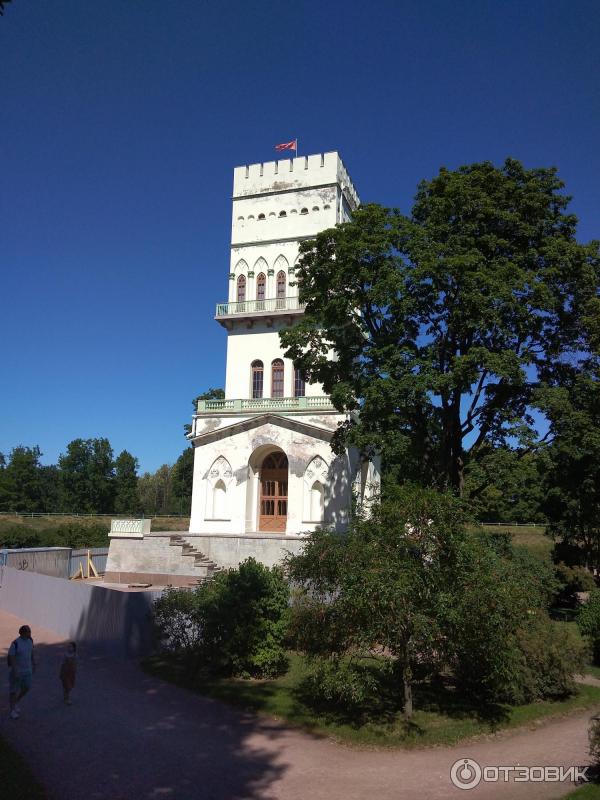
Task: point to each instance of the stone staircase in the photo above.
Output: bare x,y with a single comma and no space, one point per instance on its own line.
204,568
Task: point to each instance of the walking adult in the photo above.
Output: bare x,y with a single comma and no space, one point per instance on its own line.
21,662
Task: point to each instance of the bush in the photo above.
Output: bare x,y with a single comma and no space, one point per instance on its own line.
594,739
573,580
176,620
589,623
339,684
550,656
233,625
72,534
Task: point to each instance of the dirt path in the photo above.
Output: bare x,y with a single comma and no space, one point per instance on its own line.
132,737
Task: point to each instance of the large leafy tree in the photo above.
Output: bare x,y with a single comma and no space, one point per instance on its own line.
572,479
20,480
182,480
87,476
126,481
209,394
449,327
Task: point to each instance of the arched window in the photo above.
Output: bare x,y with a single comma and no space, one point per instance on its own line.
257,379
277,378
261,216
241,289
326,207
299,383
219,506
304,210
316,502
282,214
315,208
281,282
261,286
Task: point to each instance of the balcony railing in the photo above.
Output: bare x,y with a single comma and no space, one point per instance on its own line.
264,404
272,305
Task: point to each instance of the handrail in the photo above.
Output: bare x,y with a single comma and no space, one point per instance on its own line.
273,304
264,404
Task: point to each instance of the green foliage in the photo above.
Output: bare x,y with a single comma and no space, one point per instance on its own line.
126,479
572,580
594,740
21,485
69,535
233,625
588,620
175,617
451,326
182,480
550,656
572,477
384,585
87,476
339,684
210,394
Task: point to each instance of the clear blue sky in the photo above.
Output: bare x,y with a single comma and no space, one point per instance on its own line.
121,123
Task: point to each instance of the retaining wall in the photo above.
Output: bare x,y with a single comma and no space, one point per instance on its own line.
104,620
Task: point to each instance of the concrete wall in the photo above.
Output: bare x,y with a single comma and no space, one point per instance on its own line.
105,621
44,560
230,551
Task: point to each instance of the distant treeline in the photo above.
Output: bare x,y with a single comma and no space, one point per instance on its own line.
89,479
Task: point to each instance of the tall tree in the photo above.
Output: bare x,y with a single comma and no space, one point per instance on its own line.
126,484
183,475
20,483
87,476
452,326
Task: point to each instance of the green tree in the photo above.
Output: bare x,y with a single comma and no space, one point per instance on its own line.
87,476
155,491
126,484
20,481
182,480
209,394
382,586
452,326
572,478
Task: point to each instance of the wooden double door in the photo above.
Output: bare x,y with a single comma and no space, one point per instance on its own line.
273,493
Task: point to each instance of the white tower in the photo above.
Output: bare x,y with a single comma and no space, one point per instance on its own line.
263,466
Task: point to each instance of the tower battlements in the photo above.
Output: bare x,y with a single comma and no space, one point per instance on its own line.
294,174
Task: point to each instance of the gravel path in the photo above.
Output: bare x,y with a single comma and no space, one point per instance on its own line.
129,736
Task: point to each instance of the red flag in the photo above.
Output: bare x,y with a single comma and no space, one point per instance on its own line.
287,146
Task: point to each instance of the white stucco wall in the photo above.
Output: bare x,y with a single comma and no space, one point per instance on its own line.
245,345
243,451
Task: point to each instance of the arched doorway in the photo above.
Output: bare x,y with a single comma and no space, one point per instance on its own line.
273,493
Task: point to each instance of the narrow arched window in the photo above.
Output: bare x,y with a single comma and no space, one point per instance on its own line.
304,210
261,286
261,216
277,378
241,289
281,281
282,214
219,498
257,379
316,502
299,383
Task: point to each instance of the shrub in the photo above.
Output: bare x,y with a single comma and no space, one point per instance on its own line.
589,623
550,656
573,580
176,620
594,739
71,534
339,684
233,625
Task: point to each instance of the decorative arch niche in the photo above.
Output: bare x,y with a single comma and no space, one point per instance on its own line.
218,481
315,484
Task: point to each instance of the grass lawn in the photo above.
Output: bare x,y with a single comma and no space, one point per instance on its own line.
532,537
441,717
17,781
